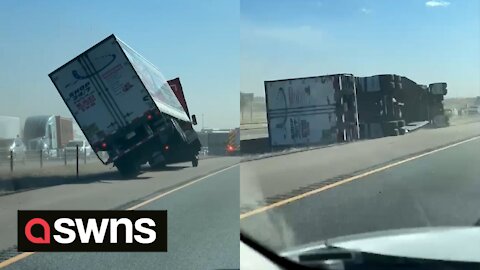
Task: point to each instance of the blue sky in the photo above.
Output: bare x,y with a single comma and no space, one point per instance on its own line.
195,40
425,40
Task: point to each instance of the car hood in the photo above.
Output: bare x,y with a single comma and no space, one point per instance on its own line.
437,243
250,259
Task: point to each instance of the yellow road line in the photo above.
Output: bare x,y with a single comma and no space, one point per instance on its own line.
26,254
350,179
15,259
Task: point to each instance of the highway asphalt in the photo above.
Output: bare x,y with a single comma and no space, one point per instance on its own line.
277,176
203,221
438,189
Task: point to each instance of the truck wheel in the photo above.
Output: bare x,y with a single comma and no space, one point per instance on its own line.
128,168
391,124
396,132
158,166
195,161
390,127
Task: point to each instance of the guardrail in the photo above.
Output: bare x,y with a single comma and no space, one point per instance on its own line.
31,159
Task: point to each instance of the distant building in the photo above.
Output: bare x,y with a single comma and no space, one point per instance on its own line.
215,140
252,108
259,99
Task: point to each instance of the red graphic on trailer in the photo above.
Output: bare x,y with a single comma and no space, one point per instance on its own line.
178,91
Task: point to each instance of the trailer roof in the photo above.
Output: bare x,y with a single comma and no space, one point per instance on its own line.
311,77
85,52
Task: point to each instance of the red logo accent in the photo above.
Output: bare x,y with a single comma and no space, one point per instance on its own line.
46,231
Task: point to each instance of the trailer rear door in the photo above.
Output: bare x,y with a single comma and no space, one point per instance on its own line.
102,90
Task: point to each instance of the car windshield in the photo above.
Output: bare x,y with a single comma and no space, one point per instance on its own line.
358,117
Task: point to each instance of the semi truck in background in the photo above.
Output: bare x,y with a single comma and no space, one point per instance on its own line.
221,142
339,108
312,110
9,127
436,110
49,133
126,109
233,143
10,142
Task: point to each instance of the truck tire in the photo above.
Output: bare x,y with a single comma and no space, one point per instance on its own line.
128,168
402,131
195,161
390,127
158,166
396,132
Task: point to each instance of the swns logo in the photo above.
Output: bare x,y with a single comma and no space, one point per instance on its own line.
92,231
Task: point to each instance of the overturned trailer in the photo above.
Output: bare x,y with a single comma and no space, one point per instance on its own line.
341,107
311,110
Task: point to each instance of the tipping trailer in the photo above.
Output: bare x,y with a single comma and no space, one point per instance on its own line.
311,110
125,108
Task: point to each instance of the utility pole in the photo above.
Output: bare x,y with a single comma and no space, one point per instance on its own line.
203,122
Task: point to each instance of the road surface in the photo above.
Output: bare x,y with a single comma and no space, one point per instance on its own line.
203,219
316,195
